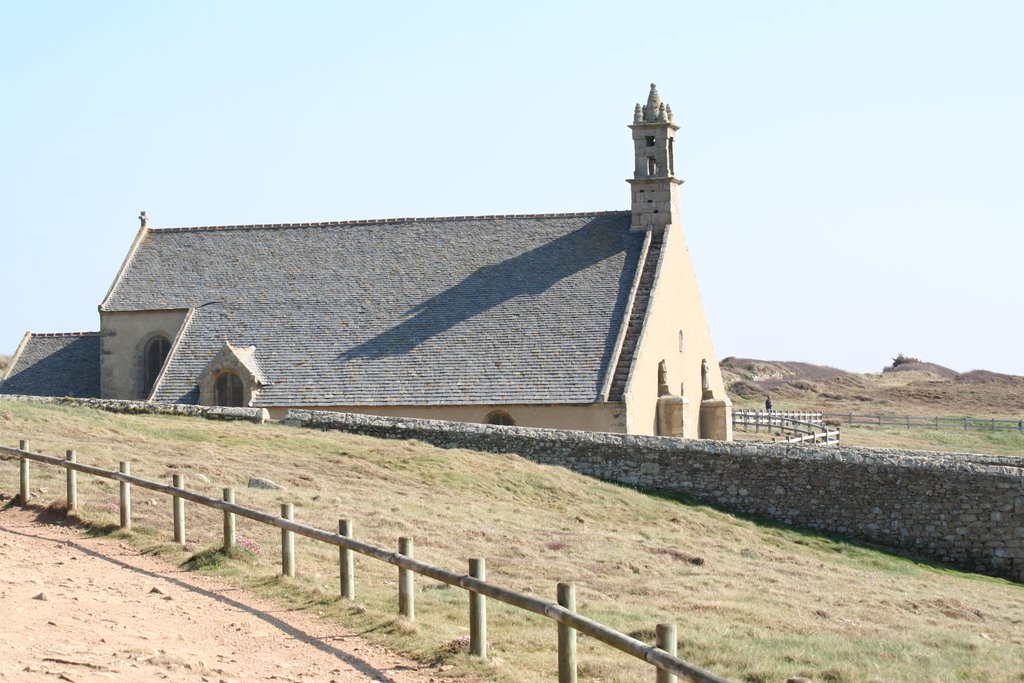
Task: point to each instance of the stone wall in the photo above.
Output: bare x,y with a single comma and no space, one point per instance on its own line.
258,415
966,510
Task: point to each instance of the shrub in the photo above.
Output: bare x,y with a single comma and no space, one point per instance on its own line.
900,359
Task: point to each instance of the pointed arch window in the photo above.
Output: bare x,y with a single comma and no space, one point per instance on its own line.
154,355
228,390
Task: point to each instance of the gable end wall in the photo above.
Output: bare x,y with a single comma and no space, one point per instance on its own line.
675,306
123,336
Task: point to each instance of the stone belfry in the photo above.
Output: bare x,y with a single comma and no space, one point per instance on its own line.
654,185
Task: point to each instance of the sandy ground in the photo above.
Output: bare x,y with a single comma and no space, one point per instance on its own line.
88,609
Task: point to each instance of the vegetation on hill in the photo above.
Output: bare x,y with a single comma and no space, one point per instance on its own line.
5,361
753,602
909,387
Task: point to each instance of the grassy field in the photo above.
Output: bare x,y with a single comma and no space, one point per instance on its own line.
1005,442
923,390
753,602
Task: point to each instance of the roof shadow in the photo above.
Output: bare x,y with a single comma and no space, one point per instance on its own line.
71,370
528,274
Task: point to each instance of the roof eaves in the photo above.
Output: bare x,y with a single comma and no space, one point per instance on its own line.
374,221
613,361
16,357
251,363
124,266
170,354
644,328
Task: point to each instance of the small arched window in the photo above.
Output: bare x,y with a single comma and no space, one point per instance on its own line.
153,359
228,390
499,417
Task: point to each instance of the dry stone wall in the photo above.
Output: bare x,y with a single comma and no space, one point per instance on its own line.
258,415
965,510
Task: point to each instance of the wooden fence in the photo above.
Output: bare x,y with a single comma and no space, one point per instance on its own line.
799,427
662,656
908,421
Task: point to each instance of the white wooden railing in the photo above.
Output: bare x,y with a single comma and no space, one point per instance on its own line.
795,426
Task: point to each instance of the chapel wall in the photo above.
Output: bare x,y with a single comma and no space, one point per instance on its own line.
123,337
677,332
596,417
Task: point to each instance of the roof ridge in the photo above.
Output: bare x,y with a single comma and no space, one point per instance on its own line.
382,221
64,334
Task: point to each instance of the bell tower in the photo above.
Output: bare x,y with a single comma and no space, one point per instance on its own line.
654,186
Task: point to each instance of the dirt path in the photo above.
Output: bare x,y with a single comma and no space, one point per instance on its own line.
90,609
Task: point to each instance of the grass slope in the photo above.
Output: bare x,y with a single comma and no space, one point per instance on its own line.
753,602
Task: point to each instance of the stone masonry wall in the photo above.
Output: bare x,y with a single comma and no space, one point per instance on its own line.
258,415
966,510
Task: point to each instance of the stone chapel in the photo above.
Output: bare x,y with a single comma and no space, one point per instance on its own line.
590,321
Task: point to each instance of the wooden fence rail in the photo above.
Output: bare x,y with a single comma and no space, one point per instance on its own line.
799,427
662,656
908,421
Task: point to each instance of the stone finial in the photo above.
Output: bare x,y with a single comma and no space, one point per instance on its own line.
662,116
653,104
638,114
143,219
668,110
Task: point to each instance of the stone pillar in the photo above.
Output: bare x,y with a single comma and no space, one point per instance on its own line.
716,419
672,417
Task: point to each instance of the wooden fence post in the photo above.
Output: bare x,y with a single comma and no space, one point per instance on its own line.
178,505
72,481
287,542
26,475
229,520
126,497
666,640
406,599
478,611
346,563
566,636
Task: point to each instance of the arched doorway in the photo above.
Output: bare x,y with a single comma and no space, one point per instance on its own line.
228,390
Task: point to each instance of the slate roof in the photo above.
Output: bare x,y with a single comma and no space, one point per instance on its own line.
66,364
469,310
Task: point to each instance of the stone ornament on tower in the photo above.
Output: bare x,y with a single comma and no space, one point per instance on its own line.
654,182
653,105
143,220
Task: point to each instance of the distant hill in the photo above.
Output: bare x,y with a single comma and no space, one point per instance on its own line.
909,387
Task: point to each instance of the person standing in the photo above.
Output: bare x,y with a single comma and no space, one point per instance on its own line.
768,403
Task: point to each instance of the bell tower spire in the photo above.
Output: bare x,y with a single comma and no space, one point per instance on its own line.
654,185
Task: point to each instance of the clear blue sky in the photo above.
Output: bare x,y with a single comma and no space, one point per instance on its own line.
855,169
